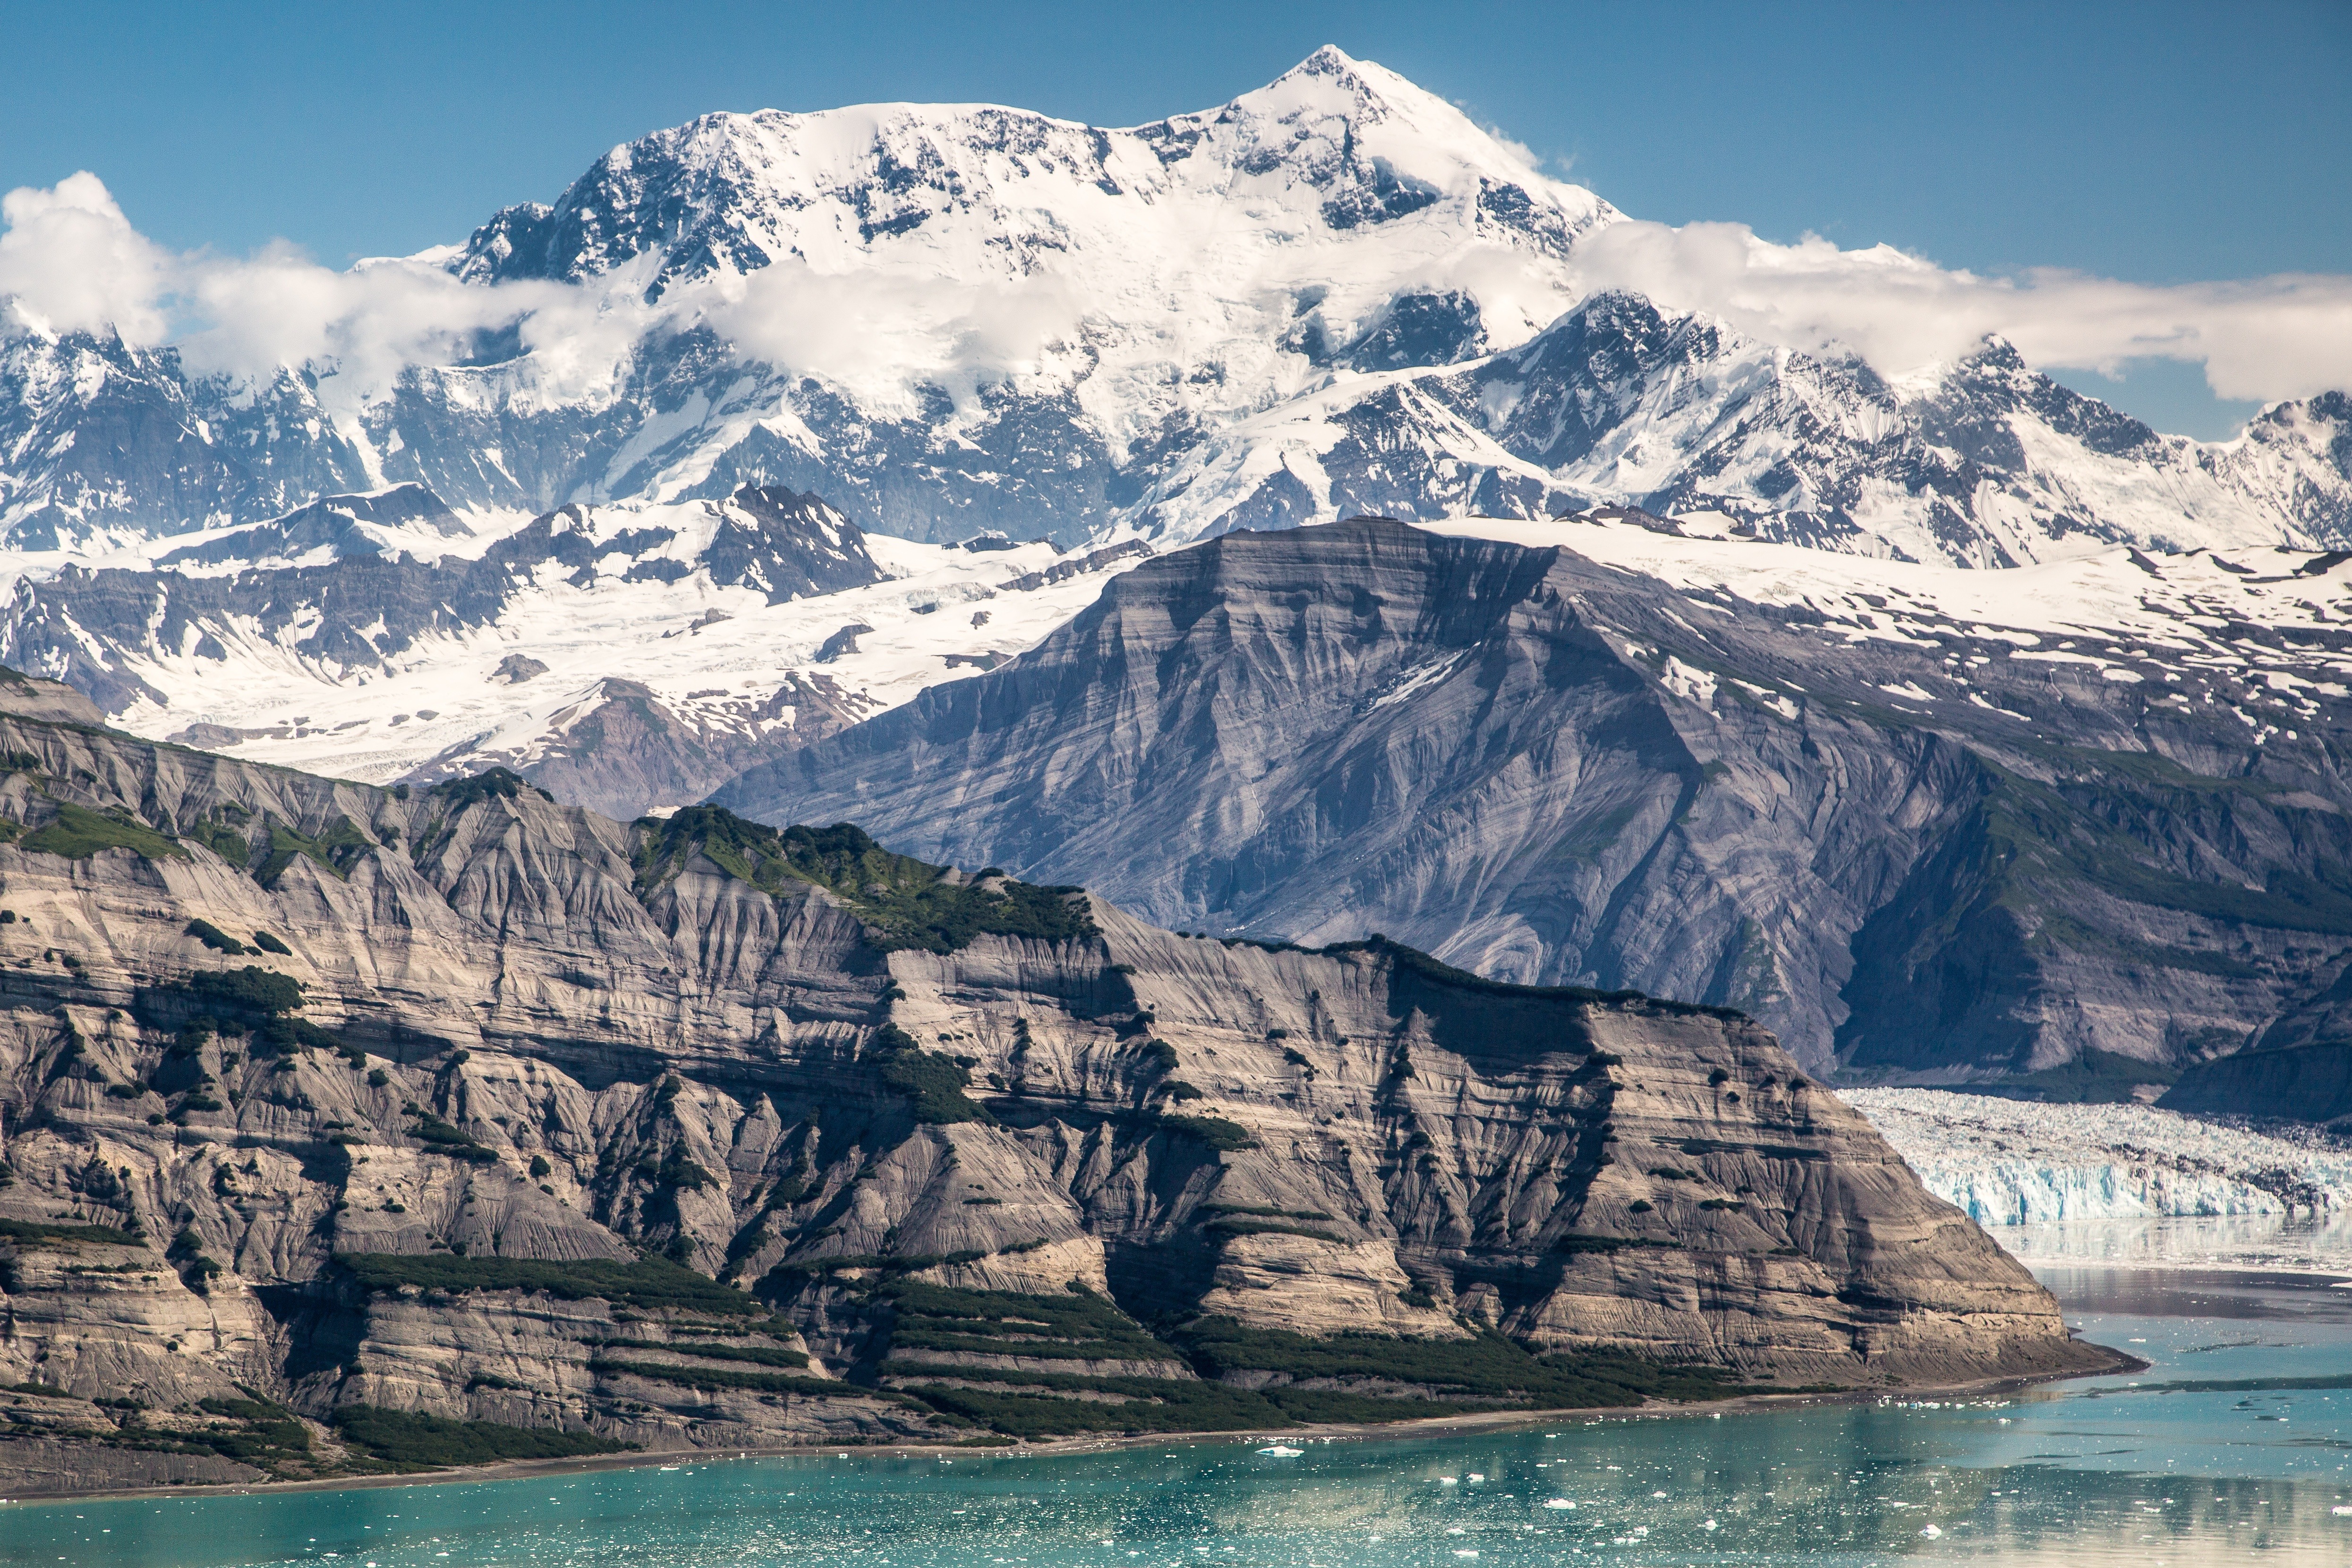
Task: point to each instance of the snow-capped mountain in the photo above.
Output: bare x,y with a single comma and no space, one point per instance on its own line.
1333,294
623,657
1981,463
940,317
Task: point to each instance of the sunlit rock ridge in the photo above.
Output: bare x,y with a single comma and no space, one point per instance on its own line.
1333,294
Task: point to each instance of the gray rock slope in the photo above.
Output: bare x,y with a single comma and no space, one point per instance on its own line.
1915,851
322,1101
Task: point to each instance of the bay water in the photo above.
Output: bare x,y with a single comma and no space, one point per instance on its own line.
2233,1446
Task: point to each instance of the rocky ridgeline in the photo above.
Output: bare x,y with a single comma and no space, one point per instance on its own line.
1918,842
354,1129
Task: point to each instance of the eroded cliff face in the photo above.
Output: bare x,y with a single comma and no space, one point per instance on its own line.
1918,842
322,1101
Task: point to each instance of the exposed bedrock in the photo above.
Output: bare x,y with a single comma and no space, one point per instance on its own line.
1912,850
328,1101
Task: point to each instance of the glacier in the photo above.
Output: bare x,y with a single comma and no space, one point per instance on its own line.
2009,1162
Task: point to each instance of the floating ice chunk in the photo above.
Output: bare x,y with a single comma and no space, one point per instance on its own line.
1279,1452
1559,1503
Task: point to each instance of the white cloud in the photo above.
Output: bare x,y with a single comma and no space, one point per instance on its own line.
2285,336
880,334
69,261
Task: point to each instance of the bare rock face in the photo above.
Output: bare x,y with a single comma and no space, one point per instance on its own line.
326,1108
1913,848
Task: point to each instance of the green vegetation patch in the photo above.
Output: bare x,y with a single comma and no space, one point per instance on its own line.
675,1169
903,902
1032,1408
1485,1373
337,850
492,784
401,1441
935,1083
1215,1130
212,936
760,1356
1488,1367
250,993
712,1379
790,1276
440,1138
222,839
1073,1326
1227,1227
80,833
1261,1211
259,1433
34,1233
647,1284
1155,1404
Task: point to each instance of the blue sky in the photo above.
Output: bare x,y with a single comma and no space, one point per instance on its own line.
2152,143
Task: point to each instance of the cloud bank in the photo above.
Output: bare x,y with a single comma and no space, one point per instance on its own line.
2265,339
71,260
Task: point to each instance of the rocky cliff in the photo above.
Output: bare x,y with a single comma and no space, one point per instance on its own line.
1925,823
348,1127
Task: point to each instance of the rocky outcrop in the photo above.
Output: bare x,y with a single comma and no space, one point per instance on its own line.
621,747
2302,1082
1916,843
327,1107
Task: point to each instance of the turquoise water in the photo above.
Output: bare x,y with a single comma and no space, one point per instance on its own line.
2107,1471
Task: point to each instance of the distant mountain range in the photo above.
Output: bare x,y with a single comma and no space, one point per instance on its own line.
1335,294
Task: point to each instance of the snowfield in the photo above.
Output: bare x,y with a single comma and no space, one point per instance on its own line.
2014,1162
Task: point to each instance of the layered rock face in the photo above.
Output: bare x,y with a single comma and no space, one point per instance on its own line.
323,1101
1913,840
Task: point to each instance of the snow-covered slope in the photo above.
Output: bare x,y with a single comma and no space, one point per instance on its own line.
2013,1163
1980,463
2254,633
626,658
1335,293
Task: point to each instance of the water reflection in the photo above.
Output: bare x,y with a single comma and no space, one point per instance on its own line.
2302,1243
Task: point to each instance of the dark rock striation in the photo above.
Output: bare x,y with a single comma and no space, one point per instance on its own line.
327,1108
1911,846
